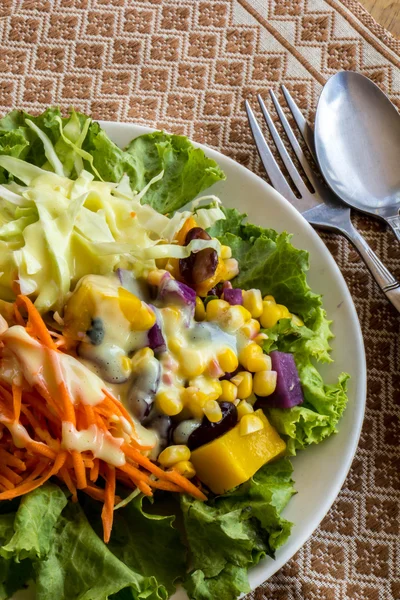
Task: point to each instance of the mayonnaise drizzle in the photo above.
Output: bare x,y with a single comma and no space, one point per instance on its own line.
46,368
101,443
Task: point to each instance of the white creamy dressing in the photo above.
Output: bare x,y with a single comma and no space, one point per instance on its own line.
101,443
187,341
25,355
119,339
19,434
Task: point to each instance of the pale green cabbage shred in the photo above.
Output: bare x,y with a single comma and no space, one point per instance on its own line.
54,230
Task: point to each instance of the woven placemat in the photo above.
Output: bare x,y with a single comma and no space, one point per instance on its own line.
186,66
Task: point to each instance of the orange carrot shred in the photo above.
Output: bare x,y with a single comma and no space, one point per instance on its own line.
79,468
36,323
107,514
65,476
94,471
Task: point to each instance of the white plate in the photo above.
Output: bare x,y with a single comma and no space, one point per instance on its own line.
320,471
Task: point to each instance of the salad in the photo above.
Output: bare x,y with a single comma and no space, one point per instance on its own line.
158,369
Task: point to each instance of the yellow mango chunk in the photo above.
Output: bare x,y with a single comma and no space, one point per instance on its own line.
81,306
233,458
140,316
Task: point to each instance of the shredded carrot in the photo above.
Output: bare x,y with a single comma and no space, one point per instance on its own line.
18,317
31,444
65,476
79,468
10,474
11,460
36,324
165,485
107,514
17,397
6,483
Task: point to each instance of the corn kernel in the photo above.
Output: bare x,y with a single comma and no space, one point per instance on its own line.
285,314
271,314
229,391
245,387
250,424
297,321
251,328
248,352
192,363
212,411
237,379
252,300
234,318
175,344
172,318
185,468
226,252
144,354
215,309
173,454
199,311
231,268
194,401
140,316
126,364
264,383
169,402
260,338
269,298
154,277
260,363
228,361
244,408
211,388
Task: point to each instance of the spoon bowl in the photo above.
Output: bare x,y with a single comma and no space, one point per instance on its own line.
357,141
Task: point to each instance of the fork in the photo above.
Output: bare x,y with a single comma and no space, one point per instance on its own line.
320,207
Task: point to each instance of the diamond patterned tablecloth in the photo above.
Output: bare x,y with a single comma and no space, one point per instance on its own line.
186,66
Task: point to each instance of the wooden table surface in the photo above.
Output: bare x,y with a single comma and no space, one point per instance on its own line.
386,12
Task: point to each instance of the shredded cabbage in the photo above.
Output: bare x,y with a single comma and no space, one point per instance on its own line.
55,230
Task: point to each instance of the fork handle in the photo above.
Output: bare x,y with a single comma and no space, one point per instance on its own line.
394,223
388,284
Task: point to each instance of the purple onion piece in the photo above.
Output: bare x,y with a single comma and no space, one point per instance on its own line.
233,296
175,292
288,392
155,336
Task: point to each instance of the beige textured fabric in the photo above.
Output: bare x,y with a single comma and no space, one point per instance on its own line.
187,65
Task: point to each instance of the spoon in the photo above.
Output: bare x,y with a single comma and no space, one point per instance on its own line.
357,141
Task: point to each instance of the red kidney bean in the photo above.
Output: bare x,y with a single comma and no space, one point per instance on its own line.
201,265
207,432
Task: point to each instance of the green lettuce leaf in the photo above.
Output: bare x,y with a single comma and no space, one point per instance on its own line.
231,532
139,538
34,522
269,262
75,143
230,583
187,170
323,407
81,567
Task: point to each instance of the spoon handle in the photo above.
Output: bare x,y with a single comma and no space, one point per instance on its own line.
394,223
388,284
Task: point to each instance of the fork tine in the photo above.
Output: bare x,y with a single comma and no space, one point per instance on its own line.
304,128
270,165
285,156
293,141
